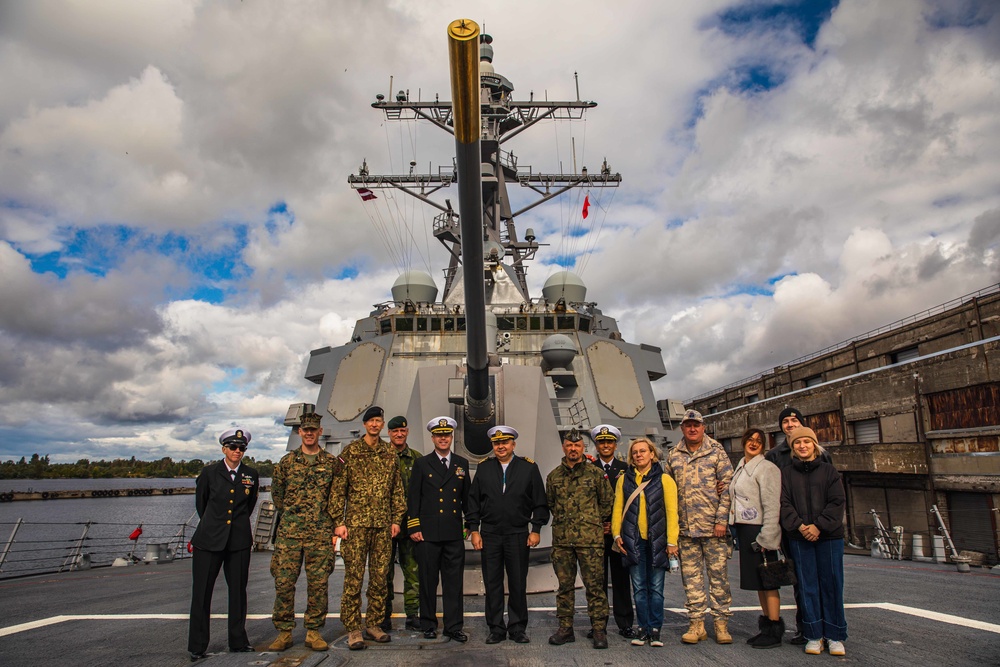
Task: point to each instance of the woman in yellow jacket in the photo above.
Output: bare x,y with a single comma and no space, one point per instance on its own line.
644,525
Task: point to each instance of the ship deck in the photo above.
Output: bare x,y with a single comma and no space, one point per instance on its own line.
899,613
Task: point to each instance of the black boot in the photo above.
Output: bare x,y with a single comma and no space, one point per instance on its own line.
771,636
761,624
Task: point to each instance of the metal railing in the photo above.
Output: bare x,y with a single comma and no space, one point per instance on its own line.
43,547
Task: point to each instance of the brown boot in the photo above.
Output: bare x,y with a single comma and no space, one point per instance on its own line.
355,641
375,633
562,636
284,641
722,635
696,632
315,641
600,639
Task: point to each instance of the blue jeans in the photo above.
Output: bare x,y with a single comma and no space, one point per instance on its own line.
647,588
820,569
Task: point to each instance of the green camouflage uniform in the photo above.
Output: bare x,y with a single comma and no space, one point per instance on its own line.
368,498
403,548
579,499
300,490
699,508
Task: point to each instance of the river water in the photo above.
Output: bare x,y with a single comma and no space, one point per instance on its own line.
51,529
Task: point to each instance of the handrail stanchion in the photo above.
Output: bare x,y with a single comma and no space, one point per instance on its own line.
72,559
10,541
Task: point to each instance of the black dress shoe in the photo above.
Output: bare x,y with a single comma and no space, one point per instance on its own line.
628,633
590,633
198,656
243,649
496,637
457,635
430,634
520,638
412,623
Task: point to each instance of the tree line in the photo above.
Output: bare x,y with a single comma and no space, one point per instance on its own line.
39,467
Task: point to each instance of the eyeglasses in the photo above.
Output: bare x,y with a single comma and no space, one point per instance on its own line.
242,448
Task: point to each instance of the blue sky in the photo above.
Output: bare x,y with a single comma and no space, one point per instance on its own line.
178,232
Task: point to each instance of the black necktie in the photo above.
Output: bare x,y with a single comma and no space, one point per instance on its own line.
232,475
607,469
444,462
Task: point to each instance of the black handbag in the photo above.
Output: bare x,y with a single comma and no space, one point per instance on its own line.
776,573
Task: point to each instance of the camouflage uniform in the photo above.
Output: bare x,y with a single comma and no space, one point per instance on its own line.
300,489
579,499
403,548
367,497
700,507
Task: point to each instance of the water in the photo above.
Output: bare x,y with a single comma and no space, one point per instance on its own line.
52,529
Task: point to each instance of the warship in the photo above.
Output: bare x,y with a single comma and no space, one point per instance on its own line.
487,351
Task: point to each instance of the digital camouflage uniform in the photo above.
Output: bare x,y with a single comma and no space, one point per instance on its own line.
579,499
368,498
403,548
300,490
699,508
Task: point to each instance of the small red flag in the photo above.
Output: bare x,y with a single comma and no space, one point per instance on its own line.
366,194
586,207
136,533
190,547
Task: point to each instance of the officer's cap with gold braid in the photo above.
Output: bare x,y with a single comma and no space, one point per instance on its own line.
237,435
442,426
605,432
502,433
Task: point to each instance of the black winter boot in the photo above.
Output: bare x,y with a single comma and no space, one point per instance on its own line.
771,636
761,624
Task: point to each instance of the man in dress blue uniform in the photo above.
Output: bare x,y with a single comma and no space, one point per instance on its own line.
225,496
507,499
606,439
438,500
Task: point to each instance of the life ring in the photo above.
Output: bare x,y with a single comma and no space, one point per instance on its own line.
45,495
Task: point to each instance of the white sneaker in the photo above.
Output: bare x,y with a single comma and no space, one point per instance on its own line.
835,647
814,646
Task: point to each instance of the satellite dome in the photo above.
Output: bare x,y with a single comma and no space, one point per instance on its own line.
416,286
564,285
558,351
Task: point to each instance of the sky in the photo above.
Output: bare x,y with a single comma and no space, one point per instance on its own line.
177,231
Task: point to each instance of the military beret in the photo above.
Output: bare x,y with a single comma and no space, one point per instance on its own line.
310,420
502,433
237,434
398,421
605,432
693,416
573,436
373,412
442,425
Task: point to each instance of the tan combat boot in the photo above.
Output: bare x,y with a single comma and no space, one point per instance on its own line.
315,641
355,641
376,633
284,641
696,632
722,635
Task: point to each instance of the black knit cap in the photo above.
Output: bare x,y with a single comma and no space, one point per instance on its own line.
788,412
372,412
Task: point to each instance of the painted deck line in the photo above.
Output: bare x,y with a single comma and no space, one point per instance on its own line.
887,606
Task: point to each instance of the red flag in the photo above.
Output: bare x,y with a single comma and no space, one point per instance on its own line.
136,533
366,194
190,547
586,207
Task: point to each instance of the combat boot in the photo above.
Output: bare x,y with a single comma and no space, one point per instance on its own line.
355,641
315,641
284,641
600,639
375,633
722,635
696,632
562,636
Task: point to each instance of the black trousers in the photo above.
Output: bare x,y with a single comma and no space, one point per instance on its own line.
205,566
506,553
446,559
621,586
795,589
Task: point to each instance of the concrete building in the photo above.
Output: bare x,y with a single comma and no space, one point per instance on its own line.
910,414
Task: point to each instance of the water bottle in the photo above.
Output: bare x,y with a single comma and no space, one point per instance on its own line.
675,565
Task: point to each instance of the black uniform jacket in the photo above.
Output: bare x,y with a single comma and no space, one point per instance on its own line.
438,500
617,469
225,508
494,511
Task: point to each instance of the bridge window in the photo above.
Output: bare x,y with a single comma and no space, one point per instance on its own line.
550,323
385,326
505,324
535,323
435,324
404,324
567,322
422,323
585,324
460,323
521,323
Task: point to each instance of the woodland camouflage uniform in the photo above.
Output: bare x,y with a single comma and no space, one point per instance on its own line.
300,490
403,547
368,497
579,499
